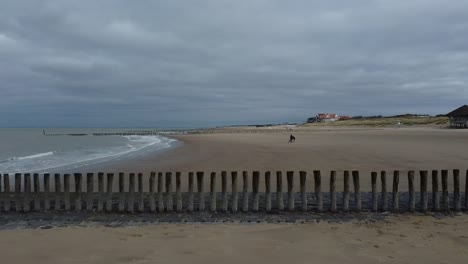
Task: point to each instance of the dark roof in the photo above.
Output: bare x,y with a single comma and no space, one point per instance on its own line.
462,111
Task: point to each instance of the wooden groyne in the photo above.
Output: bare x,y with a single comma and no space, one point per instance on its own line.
75,192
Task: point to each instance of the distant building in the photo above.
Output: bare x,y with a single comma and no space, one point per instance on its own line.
459,117
326,118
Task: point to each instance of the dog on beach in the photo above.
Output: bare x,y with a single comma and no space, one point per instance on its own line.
292,139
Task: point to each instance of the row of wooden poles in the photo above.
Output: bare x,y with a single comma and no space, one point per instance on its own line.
162,199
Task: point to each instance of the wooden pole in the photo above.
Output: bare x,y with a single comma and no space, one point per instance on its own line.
110,185
160,192
423,190
435,191
268,191
445,194
190,192
89,191
303,186
213,192
383,179
333,206
346,191
100,191
279,190
46,192
121,192
7,201
456,190
152,190
396,180
78,191
412,200
374,191
318,189
37,198
18,192
245,192
466,191
58,190
255,187
27,193
66,183
234,192
291,193
357,190
224,191
131,193
201,192
178,193
141,197
169,200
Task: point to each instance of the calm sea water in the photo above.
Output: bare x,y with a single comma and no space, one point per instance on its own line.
28,150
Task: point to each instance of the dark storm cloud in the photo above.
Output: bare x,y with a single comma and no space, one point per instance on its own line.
168,63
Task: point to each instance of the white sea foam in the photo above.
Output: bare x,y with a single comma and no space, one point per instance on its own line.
35,156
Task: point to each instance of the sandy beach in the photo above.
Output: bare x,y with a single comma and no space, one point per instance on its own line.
402,239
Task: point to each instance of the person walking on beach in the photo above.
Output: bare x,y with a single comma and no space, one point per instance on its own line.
292,139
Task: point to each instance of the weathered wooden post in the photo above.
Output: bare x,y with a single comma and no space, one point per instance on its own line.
302,181
234,196
152,190
374,191
78,191
346,191
169,200
46,192
445,194
27,193
318,189
279,190
141,198
268,191
178,193
357,190
396,180
255,187
110,185
213,192
201,192
6,184
456,190
66,194
100,191
333,206
18,192
291,193
466,191
224,191
121,192
190,192
131,193
245,192
89,191
37,198
435,191
423,189
58,190
160,192
383,179
412,202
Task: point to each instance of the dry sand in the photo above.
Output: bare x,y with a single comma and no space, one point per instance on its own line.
402,239
337,149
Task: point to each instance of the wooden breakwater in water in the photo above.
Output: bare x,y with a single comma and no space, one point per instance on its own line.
94,192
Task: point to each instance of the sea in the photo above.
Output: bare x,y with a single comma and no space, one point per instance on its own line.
37,150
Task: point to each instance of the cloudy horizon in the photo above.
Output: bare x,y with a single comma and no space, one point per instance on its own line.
217,62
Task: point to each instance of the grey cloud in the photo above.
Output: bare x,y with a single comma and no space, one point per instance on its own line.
185,63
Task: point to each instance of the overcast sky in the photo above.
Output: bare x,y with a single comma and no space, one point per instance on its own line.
204,63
